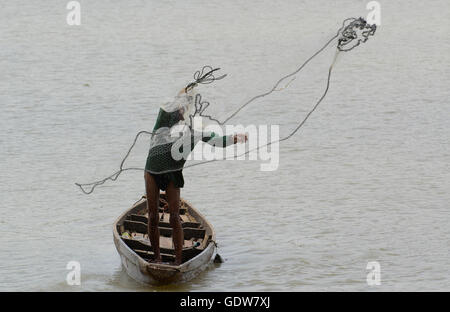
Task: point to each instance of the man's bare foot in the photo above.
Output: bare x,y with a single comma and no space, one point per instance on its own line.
177,262
157,260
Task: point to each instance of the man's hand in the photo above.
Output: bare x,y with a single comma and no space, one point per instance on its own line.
240,138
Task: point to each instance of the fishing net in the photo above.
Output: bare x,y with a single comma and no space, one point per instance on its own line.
353,33
178,129
175,127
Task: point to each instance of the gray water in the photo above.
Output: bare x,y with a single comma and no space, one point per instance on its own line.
366,179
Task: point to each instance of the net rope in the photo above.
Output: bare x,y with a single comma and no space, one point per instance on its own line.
351,34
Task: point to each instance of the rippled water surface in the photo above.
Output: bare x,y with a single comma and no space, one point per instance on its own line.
366,179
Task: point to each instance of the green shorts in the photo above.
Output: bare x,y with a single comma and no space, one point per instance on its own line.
163,180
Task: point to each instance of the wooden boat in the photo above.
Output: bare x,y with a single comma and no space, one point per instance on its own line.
132,243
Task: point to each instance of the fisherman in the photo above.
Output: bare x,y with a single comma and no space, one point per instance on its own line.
163,169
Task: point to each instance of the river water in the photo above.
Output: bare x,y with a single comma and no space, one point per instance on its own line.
366,179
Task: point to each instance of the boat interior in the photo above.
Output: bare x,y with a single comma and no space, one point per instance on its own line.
133,230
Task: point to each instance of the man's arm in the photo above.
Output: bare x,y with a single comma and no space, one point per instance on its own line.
224,141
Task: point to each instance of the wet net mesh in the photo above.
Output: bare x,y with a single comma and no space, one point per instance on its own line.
351,34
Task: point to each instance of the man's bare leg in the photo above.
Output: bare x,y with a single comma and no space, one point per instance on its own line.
152,191
173,198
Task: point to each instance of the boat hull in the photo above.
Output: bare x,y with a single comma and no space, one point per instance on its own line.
158,274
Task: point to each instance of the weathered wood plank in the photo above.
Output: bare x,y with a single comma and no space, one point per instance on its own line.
144,219
146,250
141,227
149,255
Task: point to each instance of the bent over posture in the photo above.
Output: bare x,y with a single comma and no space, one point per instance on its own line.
172,140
